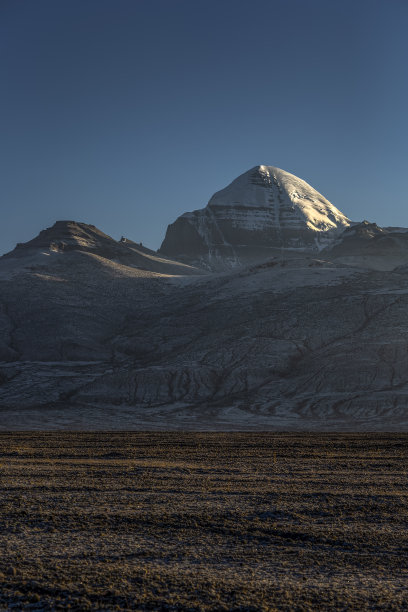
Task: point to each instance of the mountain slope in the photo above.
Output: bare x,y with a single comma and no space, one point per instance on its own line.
67,242
262,211
298,343
63,292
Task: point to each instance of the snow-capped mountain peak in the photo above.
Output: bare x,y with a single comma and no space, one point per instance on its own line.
283,193
264,208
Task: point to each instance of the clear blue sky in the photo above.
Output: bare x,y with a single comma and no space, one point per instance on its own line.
127,113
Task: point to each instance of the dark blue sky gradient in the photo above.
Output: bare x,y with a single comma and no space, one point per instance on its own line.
127,113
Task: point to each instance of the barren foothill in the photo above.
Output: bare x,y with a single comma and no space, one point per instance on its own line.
203,521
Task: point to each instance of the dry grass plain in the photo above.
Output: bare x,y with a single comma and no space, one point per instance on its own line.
203,521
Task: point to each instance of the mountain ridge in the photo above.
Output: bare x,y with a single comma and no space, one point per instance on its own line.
71,238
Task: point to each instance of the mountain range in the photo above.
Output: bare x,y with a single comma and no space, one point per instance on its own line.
267,309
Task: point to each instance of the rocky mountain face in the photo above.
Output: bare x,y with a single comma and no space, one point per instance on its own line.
105,334
260,213
368,245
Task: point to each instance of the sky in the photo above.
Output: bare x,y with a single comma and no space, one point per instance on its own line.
127,113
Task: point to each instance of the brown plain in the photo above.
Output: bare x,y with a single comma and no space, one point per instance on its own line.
203,521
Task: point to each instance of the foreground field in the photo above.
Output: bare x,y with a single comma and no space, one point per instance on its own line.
203,521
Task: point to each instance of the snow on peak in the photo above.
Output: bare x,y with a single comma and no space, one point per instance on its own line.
263,209
275,189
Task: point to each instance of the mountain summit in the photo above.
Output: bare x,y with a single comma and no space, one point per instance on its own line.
263,209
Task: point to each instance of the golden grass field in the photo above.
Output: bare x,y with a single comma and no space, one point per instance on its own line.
203,521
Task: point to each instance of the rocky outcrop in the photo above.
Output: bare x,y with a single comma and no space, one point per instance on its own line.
260,213
368,245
